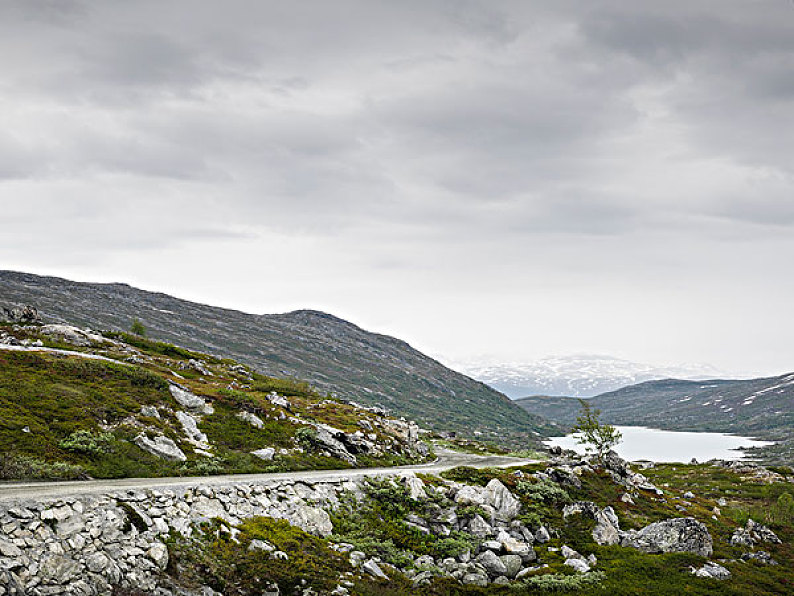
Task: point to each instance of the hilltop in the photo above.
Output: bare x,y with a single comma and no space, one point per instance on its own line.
331,354
762,408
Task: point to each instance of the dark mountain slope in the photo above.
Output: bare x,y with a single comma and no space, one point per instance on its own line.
331,353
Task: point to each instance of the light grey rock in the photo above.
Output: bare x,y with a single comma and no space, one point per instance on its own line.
326,438
261,545
512,563
502,500
159,554
542,535
186,399
266,454
469,495
475,579
190,426
9,549
492,563
761,556
150,411
479,527
712,570
415,486
313,520
683,534
567,552
161,446
251,419
57,569
578,564
279,400
371,566
689,495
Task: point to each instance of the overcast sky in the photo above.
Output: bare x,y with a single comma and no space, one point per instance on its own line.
480,178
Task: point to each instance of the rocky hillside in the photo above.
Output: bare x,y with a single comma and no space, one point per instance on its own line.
77,404
761,408
330,353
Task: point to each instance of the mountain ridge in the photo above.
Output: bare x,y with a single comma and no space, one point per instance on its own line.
333,354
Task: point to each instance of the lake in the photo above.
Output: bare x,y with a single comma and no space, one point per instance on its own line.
669,446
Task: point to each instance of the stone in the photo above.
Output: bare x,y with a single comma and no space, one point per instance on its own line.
313,520
370,566
415,486
479,527
578,565
607,530
190,426
683,534
567,552
186,399
279,400
689,495
492,563
161,446
8,549
502,500
469,495
475,579
261,545
512,563
542,535
326,438
266,454
159,554
20,314
761,556
150,411
251,419
712,570
57,569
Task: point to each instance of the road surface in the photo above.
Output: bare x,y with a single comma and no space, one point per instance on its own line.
45,491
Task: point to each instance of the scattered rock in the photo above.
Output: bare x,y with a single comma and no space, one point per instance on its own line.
251,419
683,534
712,570
266,453
371,567
161,446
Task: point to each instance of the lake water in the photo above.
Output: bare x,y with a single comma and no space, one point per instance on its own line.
669,446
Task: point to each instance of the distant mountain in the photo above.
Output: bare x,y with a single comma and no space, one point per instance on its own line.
577,376
756,407
334,355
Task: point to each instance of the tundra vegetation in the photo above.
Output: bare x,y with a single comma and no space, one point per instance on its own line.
121,405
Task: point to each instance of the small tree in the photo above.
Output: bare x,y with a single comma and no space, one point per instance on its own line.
137,328
596,437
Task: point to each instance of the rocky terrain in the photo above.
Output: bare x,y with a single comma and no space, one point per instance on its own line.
75,403
576,376
762,408
330,353
568,524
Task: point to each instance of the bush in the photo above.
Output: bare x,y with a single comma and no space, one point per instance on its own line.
21,467
137,328
562,583
543,490
88,443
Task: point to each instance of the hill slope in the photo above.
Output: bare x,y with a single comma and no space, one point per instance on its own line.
330,353
75,404
758,407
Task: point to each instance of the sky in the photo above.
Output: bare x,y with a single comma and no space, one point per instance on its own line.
490,179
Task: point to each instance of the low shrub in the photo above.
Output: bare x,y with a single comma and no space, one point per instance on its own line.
88,443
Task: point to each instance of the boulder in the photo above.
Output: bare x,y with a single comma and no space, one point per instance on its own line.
192,432
712,570
161,446
469,495
325,439
512,563
186,399
683,534
251,419
492,563
372,567
313,520
266,454
502,500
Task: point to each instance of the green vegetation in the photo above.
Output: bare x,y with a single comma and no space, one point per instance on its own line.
377,526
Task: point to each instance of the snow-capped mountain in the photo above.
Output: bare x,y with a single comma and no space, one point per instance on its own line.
578,376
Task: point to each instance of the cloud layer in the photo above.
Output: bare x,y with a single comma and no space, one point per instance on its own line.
512,178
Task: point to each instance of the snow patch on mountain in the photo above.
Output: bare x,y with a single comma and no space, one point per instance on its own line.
582,375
